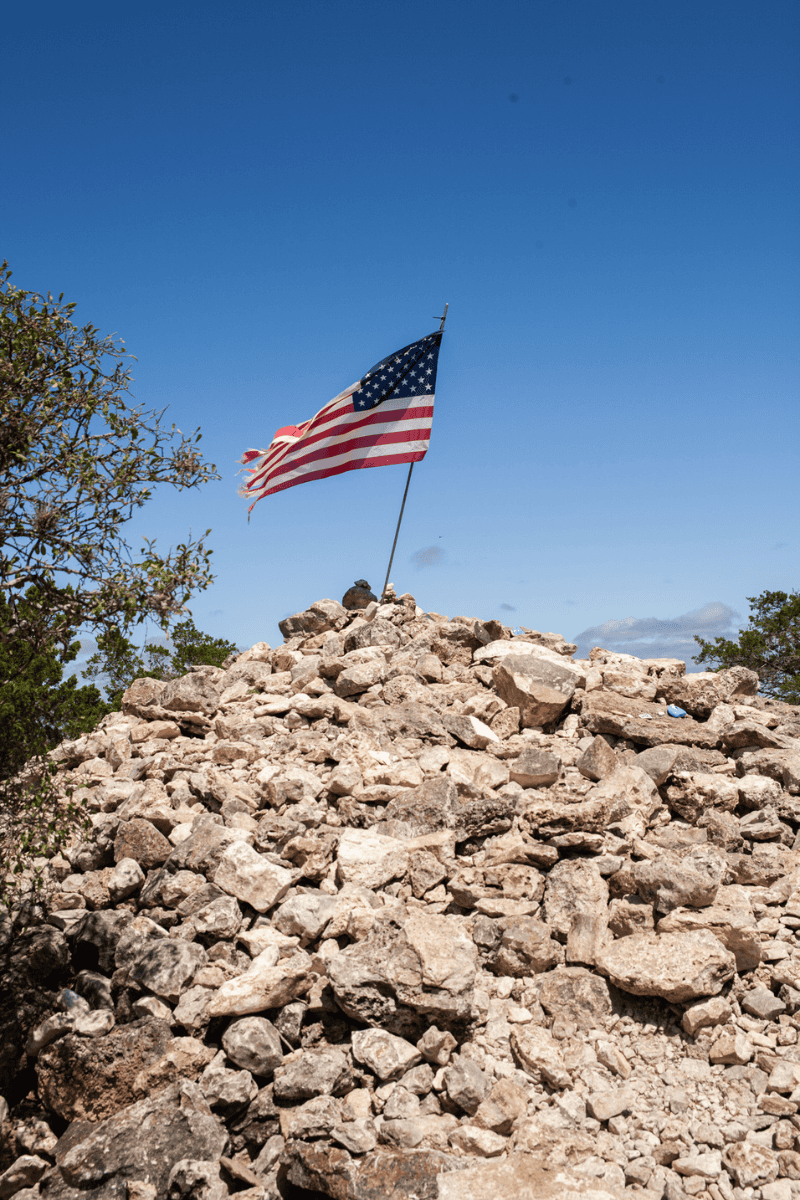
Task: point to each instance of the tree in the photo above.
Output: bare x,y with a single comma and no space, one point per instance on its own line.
76,462
118,662
770,645
38,709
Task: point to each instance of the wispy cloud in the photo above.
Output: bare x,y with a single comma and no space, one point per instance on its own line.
508,607
658,637
430,556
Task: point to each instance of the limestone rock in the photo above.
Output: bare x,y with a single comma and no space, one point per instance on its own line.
673,880
369,858
142,1142
520,1177
266,984
92,1078
538,687
675,966
535,768
386,1055
245,874
254,1044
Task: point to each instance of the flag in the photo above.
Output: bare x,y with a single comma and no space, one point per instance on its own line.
384,418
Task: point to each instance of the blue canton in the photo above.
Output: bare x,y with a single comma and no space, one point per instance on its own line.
409,373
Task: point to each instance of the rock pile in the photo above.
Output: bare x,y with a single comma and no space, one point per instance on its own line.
415,907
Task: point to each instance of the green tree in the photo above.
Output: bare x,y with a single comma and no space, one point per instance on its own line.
770,645
77,461
117,662
38,709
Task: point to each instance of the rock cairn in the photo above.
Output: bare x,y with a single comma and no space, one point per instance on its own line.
413,907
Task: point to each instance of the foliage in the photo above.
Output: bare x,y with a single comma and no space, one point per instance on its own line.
76,463
118,662
38,709
770,645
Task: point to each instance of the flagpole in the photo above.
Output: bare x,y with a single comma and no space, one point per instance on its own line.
405,493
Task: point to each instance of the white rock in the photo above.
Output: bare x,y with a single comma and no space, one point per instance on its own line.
245,874
264,985
369,858
386,1055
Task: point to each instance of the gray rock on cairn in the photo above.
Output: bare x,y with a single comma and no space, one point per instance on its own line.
359,595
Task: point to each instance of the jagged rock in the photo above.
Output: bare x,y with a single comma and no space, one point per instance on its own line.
691,795
307,1073
24,1172
538,1054
641,721
386,1055
576,993
676,966
142,1142
751,1165
402,978
699,694
197,692
254,1044
369,858
456,917
92,1078
673,880
167,967
322,615
538,687
402,1174
573,886
527,948
535,768
730,918
520,1177
268,983
245,874
598,760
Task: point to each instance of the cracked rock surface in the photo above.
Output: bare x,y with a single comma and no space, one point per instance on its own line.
416,908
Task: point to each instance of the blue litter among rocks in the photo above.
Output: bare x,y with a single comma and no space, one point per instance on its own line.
674,711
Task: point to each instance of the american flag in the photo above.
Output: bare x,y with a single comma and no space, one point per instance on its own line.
382,419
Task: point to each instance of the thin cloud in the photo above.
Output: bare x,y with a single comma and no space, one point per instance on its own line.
430,556
657,637
508,607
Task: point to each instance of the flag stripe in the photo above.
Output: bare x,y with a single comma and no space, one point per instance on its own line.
345,441
385,461
356,451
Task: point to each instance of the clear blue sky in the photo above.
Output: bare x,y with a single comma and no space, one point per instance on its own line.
265,199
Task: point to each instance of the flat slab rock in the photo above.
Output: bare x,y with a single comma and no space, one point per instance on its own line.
384,1174
642,722
141,1142
519,1177
675,966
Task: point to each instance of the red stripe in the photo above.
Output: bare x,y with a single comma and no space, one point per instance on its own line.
300,452
418,433
324,473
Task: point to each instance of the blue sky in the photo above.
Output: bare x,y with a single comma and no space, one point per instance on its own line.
265,199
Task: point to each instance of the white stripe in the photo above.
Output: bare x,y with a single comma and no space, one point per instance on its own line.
358,455
340,432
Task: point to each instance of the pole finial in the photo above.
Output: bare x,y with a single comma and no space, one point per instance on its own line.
443,317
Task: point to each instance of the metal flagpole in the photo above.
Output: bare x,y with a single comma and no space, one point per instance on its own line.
405,493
